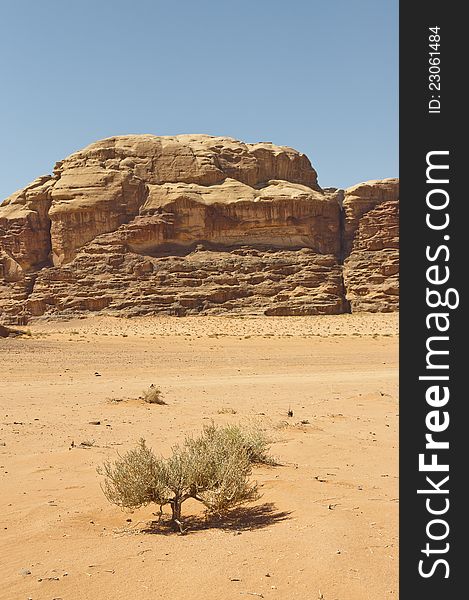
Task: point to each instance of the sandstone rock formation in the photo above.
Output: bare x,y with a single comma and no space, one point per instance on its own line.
371,242
194,224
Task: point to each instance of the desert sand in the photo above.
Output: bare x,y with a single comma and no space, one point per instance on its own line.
326,525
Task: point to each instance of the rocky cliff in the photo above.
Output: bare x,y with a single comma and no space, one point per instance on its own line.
371,246
195,224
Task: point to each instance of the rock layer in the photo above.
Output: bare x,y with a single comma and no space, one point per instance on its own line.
195,224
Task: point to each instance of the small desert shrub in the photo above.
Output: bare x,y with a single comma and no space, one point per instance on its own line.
153,395
213,468
227,411
87,443
251,437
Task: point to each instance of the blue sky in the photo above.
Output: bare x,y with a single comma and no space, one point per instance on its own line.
318,75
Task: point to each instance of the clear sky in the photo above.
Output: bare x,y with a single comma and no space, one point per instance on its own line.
318,75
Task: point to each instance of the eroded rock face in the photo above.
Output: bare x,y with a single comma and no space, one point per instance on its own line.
371,245
25,228
245,280
188,224
106,184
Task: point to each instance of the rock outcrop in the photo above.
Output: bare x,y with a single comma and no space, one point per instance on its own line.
195,224
112,181
25,228
371,245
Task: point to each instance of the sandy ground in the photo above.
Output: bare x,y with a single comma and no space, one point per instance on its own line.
326,526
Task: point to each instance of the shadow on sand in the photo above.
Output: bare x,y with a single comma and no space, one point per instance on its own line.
239,519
